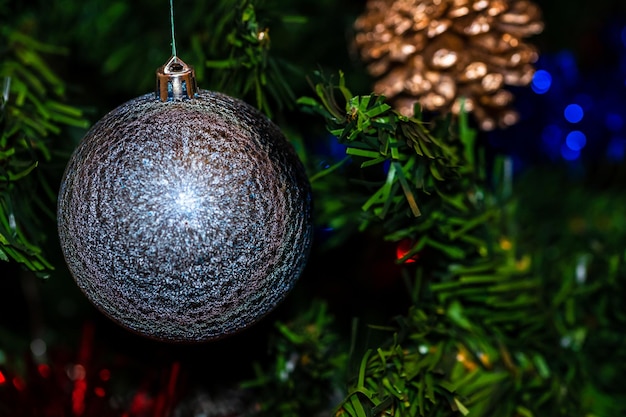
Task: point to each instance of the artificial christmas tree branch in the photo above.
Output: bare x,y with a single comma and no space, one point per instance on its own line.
249,70
32,112
376,134
308,371
481,293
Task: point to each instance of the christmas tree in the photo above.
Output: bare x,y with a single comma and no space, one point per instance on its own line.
466,163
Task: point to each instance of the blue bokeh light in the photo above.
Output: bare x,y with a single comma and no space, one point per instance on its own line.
585,101
614,122
568,67
386,166
573,113
551,135
337,149
542,81
569,154
576,140
616,149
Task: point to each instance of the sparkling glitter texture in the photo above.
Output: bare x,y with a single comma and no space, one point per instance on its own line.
185,221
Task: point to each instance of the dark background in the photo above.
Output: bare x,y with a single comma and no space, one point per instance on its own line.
112,50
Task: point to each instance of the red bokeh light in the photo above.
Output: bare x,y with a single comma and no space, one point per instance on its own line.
44,370
403,248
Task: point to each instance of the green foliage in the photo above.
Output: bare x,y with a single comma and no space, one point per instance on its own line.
488,338
416,166
375,133
434,367
244,48
31,112
249,69
579,253
308,369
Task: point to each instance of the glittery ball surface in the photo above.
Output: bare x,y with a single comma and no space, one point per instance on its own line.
185,221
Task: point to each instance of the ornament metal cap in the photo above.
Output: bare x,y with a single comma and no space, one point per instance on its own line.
175,80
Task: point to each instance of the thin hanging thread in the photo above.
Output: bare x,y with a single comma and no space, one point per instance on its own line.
172,25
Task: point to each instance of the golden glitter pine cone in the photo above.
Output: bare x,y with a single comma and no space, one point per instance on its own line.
442,53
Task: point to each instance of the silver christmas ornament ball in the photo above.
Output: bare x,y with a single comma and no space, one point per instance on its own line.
185,216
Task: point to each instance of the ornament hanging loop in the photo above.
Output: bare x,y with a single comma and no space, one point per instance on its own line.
175,81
